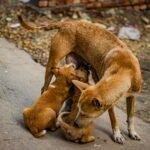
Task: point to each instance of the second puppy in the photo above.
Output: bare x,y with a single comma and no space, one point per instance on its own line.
43,113
66,119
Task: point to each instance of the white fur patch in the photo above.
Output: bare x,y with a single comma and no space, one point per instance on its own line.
117,132
132,132
52,86
118,136
131,124
108,79
130,94
44,132
90,79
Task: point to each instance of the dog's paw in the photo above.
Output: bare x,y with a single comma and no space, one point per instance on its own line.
118,137
91,138
87,139
133,135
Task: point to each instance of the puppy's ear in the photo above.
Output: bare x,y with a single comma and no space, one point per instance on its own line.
55,71
96,103
80,85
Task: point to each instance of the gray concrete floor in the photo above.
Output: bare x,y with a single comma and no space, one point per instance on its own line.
20,82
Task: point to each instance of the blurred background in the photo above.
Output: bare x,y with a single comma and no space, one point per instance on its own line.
128,19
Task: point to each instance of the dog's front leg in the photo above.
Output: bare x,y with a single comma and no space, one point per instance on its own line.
60,47
117,136
130,118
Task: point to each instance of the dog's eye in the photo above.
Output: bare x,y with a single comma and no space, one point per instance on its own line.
96,103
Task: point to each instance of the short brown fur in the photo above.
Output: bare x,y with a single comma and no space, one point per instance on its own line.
117,69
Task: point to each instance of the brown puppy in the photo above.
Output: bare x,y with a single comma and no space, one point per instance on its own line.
74,133
68,127
117,69
42,114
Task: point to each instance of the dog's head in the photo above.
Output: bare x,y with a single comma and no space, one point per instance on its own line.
90,104
67,72
70,72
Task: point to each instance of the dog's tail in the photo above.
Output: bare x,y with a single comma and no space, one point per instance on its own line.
61,121
29,26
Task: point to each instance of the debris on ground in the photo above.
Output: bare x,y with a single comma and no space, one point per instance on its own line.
97,146
129,33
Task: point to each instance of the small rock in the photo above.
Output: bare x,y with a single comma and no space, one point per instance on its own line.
48,13
8,19
111,12
25,1
84,16
145,20
105,140
97,145
147,26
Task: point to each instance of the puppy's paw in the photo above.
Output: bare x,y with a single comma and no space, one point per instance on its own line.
91,138
118,137
87,139
133,135
40,134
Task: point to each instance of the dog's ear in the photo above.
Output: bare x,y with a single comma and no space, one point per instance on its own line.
96,103
80,85
55,71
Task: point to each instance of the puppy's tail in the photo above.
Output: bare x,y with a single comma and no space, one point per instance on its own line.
61,120
29,26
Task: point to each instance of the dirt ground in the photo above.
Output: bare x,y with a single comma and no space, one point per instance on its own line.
38,44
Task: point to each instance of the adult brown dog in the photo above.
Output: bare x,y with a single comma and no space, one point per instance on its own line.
42,114
68,127
117,69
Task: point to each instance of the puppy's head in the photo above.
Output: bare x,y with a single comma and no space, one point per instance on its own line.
67,72
90,104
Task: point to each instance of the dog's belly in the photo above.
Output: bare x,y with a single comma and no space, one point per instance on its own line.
94,58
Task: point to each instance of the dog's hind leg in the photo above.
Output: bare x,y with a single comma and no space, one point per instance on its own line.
130,118
46,120
60,47
87,137
117,136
